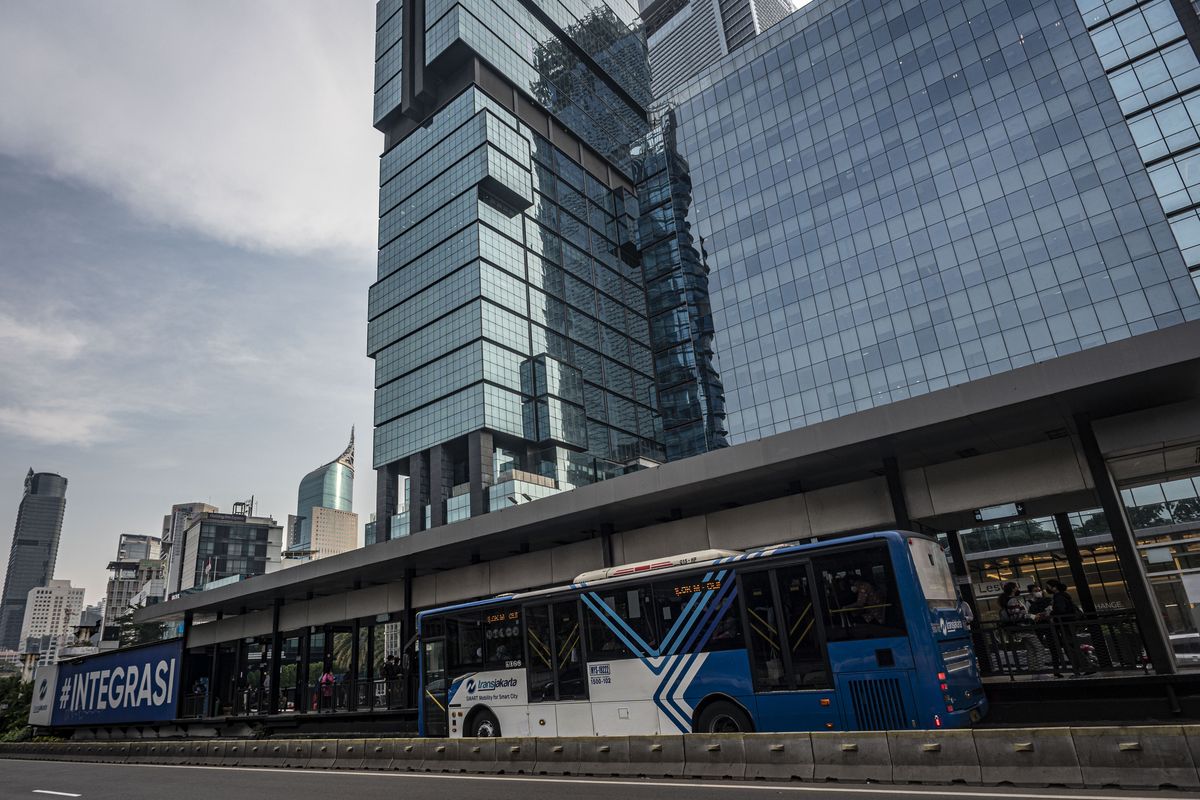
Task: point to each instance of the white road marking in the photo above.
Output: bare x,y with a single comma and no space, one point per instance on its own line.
60,794
681,784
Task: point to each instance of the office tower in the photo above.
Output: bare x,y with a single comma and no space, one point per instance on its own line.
34,549
895,200
136,565
225,548
324,523
686,37
51,615
174,526
508,324
691,398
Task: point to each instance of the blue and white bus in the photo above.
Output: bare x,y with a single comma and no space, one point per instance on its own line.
858,633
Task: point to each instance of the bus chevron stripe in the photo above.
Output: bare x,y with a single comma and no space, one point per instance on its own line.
680,667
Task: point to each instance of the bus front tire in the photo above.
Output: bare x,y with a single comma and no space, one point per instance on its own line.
484,725
723,716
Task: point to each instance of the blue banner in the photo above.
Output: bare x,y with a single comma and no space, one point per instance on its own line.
120,687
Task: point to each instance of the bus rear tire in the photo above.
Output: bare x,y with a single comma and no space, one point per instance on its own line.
484,725
723,716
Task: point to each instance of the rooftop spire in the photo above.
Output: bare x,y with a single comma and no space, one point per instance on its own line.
347,456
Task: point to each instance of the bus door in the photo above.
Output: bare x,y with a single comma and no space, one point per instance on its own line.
793,691
869,649
556,671
434,721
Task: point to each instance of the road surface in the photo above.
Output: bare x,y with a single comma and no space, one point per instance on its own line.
44,780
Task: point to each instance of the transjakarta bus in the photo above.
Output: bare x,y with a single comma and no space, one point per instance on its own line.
857,633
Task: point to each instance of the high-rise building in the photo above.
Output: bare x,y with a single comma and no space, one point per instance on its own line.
51,617
691,398
228,547
508,323
686,37
34,549
894,200
324,523
174,525
136,565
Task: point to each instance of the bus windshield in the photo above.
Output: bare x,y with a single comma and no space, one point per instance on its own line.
933,573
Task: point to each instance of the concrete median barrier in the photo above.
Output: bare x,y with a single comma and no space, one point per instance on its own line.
1028,757
349,753
176,752
516,755
1135,757
408,754
136,755
604,756
851,756
235,753
474,755
298,751
214,755
778,756
714,755
377,754
933,757
322,753
440,754
557,756
156,752
263,753
197,752
656,756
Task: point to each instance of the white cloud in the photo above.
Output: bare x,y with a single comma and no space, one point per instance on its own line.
66,423
247,122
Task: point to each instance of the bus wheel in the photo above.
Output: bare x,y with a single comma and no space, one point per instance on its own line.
484,725
723,717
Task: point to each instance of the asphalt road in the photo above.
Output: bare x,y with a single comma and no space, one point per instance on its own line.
43,780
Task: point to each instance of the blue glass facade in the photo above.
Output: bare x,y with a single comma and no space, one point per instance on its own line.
327,486
508,323
896,197
690,394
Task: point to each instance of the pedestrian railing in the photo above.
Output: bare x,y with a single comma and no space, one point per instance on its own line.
1081,646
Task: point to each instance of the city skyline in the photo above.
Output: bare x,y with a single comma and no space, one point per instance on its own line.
174,268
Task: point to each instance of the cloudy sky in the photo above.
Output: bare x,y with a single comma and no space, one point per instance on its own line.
187,234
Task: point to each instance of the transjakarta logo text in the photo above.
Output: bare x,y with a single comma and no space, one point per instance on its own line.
489,684
149,684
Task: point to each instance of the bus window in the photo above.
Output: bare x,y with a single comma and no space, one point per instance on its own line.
626,621
464,634
673,598
861,598
541,657
502,638
933,573
568,647
800,620
766,645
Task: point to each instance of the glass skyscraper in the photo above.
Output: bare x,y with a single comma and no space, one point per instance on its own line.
34,549
686,37
508,325
327,486
896,197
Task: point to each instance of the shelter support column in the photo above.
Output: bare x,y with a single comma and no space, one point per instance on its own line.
1145,605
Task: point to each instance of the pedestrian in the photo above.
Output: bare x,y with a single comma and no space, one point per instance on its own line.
1014,616
326,681
1039,603
1062,612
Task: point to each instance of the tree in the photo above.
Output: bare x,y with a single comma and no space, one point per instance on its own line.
15,697
132,633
